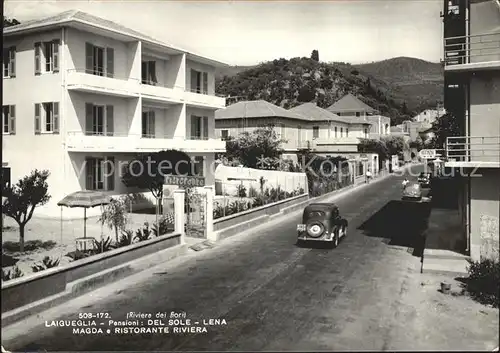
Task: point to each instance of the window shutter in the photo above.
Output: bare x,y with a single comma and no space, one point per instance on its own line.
89,118
152,119
110,62
193,127
12,57
144,124
55,55
89,58
55,111
205,127
12,119
144,72
38,50
37,118
205,83
110,164
193,80
110,123
89,166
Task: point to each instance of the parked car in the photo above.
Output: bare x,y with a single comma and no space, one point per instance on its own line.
321,222
412,192
424,179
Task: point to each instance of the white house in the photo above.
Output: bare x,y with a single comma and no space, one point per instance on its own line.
80,90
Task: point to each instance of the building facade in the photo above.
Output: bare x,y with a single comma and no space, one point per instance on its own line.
306,126
83,96
472,94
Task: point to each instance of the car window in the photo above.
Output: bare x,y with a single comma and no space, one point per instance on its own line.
316,214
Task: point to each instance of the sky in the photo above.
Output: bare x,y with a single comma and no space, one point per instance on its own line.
250,32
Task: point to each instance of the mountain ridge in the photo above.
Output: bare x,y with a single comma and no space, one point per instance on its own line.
398,87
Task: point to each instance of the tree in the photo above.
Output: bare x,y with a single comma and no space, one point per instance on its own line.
418,143
148,171
395,145
315,55
7,22
115,216
22,198
259,149
444,127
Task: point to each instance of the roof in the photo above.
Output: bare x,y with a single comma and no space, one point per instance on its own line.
349,103
254,109
70,17
311,111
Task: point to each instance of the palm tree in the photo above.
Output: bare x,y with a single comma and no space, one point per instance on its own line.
115,216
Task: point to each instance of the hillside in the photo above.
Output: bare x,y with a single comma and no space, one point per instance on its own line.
288,83
417,81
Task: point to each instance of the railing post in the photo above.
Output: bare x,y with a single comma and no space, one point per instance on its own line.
179,216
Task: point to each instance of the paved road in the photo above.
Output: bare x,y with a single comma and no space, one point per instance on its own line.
273,294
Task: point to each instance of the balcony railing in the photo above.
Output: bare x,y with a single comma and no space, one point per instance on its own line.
123,142
473,149
481,48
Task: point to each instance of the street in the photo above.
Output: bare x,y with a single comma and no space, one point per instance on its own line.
274,295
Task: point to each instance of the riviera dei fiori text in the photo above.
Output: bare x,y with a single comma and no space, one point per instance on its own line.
139,323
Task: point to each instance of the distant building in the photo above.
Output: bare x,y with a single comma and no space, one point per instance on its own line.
303,127
429,115
351,107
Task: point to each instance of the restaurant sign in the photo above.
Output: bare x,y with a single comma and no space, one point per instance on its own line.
189,181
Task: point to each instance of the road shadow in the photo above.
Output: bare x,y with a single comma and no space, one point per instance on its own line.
402,223
316,245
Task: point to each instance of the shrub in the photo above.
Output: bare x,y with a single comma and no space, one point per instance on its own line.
483,283
165,226
252,192
30,245
126,238
78,255
103,246
14,273
242,191
47,262
143,233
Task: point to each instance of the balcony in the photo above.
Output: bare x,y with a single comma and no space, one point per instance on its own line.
162,93
80,80
472,53
473,152
78,141
196,98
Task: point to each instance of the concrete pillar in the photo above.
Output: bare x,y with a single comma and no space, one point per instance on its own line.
209,213
180,217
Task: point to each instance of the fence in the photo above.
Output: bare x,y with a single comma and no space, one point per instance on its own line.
235,196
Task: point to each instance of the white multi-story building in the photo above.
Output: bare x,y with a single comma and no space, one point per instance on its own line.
80,90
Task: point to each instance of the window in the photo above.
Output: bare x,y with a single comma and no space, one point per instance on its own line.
149,73
346,132
199,167
47,118
280,131
8,119
224,134
47,56
199,127
299,133
148,124
335,132
9,62
341,132
6,177
99,61
315,132
366,132
199,82
358,114
99,120
99,173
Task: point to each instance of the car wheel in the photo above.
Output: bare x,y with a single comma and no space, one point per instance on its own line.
344,228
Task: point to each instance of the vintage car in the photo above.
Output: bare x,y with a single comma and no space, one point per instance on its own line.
412,192
321,222
424,179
